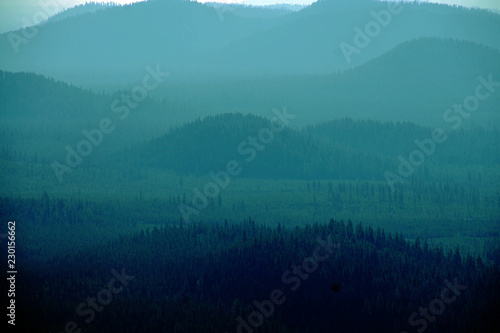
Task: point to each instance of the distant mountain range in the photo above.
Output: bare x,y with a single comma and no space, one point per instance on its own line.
443,72
189,38
417,81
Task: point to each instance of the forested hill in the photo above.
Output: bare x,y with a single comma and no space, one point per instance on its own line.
341,149
464,147
29,96
202,278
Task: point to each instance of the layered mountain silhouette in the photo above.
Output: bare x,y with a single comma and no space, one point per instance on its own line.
417,81
443,72
189,38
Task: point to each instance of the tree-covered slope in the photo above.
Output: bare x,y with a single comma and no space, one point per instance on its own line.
342,149
203,278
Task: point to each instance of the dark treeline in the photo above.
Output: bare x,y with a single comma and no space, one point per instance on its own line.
75,224
199,277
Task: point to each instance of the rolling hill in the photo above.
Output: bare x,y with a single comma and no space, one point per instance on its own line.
341,149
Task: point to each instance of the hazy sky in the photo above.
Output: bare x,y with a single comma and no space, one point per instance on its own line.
15,13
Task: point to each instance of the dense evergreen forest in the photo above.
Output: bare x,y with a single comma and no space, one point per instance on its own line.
331,169
205,277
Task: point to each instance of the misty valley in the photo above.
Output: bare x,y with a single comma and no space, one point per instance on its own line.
177,166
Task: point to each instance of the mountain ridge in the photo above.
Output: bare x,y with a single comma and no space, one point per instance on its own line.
180,35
